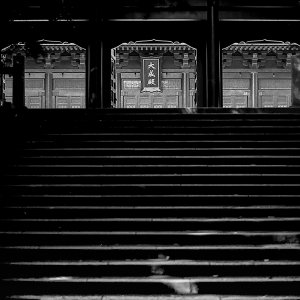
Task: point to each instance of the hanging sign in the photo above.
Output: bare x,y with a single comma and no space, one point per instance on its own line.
151,74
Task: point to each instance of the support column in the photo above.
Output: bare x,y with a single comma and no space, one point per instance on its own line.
184,90
93,75
19,81
214,92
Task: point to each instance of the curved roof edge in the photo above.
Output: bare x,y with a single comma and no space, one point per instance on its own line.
262,45
145,44
45,45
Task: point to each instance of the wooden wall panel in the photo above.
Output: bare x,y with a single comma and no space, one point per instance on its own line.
170,97
236,90
68,90
274,89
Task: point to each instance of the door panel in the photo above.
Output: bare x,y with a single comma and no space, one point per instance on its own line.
170,97
236,98
237,90
274,98
68,90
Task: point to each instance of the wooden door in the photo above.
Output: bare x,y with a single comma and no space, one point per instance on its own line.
274,89
132,97
35,86
237,90
68,90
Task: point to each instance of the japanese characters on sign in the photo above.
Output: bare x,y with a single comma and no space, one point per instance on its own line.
151,74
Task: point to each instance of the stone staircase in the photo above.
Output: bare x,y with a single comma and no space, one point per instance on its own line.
153,205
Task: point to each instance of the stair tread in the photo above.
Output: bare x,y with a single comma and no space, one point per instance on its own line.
159,262
153,184
157,247
159,156
158,148
157,196
165,233
198,219
163,207
153,297
156,165
162,278
157,175
162,133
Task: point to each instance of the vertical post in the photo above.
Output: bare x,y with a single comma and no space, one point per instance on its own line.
201,78
106,71
214,85
1,83
93,75
184,104
254,102
98,70
18,81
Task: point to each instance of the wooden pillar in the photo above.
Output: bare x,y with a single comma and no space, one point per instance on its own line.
93,75
98,69
106,72
201,82
1,85
214,92
184,92
19,81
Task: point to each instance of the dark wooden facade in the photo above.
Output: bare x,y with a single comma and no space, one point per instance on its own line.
258,74
178,75
54,74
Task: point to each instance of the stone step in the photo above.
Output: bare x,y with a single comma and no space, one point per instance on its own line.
150,178
152,297
153,285
191,227
177,268
117,211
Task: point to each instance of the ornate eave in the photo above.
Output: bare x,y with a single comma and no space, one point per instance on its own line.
46,46
268,46
257,54
154,45
183,54
47,52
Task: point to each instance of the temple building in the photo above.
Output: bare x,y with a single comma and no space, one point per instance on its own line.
154,74
54,74
258,73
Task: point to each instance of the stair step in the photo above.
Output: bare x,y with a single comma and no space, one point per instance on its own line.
124,237
139,199
81,169
148,267
146,251
200,143
150,178
153,297
159,279
158,189
157,262
149,225
155,285
92,211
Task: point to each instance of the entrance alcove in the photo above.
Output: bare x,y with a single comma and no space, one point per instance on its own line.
257,74
153,74
54,74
